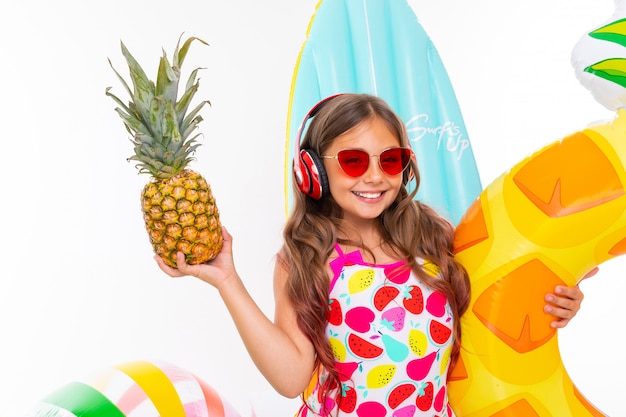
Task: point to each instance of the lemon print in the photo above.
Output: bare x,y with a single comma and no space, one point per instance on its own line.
360,280
338,348
430,268
418,342
445,359
380,375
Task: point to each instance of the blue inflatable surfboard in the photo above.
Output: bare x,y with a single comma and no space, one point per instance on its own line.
379,47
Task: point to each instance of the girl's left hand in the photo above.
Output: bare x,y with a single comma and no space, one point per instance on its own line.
565,302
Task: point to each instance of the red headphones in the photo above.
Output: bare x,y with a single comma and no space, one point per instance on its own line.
308,168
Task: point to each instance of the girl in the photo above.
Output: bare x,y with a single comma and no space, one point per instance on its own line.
368,293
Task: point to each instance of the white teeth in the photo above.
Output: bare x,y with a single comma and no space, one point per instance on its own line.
368,195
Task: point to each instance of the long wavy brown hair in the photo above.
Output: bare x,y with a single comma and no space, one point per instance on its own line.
411,228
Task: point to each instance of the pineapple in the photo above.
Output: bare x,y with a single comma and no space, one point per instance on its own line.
178,205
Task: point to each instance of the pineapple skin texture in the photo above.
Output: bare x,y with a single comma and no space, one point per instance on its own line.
180,214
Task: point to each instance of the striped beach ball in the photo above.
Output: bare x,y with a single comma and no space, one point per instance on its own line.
136,389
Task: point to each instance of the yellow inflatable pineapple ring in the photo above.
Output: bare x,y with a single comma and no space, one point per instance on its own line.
552,218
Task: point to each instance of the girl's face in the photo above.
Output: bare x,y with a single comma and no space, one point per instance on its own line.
366,197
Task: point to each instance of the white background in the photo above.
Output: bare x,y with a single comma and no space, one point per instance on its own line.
79,290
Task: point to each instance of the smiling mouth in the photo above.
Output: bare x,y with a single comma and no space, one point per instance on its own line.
368,195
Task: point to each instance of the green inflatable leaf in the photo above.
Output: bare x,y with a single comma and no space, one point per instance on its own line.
613,32
613,70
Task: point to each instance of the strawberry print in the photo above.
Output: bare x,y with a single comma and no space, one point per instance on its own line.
393,319
408,411
425,399
414,300
347,401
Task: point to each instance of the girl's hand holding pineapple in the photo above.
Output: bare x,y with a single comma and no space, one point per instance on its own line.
216,272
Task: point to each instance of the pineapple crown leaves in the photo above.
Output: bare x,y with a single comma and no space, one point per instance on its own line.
156,118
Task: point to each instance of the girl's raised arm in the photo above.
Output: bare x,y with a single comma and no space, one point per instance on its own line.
281,352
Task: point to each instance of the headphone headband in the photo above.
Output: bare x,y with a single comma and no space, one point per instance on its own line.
314,110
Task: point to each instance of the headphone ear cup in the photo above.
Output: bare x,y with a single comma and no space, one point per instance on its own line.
308,168
313,180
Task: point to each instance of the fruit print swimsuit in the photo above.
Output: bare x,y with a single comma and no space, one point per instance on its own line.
391,336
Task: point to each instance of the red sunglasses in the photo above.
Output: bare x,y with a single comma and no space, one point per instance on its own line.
355,162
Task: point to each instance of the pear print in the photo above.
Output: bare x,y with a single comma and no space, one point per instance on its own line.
438,403
346,369
397,351
417,369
